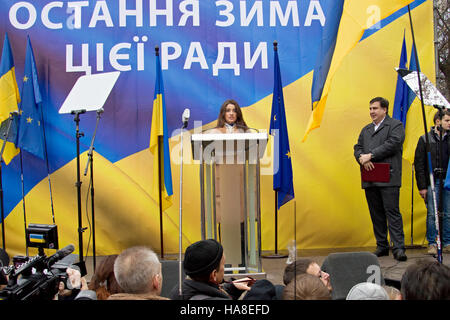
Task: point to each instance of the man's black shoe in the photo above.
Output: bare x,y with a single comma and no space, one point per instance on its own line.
381,252
400,255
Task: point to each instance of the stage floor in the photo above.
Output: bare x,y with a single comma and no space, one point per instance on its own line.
390,268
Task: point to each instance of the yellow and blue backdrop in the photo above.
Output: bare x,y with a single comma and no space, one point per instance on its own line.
210,51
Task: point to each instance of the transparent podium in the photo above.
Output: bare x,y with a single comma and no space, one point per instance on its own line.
230,195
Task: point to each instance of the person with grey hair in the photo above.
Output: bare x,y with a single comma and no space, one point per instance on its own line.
138,272
367,291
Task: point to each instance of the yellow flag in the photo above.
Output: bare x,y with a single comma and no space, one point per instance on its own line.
9,95
357,16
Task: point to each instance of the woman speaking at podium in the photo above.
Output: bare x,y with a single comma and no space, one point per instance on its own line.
230,119
229,188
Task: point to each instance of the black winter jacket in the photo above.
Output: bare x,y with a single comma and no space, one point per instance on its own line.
205,291
421,159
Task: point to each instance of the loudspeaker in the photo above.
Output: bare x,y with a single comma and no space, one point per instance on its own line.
347,269
170,273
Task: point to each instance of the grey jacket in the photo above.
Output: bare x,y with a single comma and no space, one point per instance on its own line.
386,145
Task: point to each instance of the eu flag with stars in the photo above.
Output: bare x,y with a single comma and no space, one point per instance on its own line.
30,136
283,182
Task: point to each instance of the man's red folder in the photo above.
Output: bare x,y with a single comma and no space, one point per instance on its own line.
381,173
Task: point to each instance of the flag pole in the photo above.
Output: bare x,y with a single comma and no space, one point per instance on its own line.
161,236
427,144
275,255
160,144
48,166
276,223
23,200
295,255
1,200
412,204
2,207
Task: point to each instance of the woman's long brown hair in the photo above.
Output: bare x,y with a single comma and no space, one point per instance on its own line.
239,118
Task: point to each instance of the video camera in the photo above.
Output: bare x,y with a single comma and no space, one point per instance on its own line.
36,278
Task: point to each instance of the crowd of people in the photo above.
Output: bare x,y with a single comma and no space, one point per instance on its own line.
136,274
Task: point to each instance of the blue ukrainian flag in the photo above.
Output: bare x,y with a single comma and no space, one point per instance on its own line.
283,182
9,95
31,137
404,96
401,105
413,66
159,144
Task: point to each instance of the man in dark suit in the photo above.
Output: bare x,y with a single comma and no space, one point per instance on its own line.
382,141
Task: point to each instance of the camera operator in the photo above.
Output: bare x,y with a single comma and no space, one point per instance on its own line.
4,262
76,289
39,278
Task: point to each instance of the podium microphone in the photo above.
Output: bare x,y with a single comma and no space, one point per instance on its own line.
185,117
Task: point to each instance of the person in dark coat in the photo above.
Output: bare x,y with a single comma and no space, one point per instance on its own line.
439,163
382,141
204,264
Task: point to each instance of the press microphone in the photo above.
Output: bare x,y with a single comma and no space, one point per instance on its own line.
64,252
100,111
185,117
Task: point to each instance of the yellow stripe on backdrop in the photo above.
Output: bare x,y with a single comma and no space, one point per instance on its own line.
125,212
331,207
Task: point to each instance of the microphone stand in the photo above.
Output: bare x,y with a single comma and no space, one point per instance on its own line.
180,240
91,162
78,186
427,143
439,156
5,137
